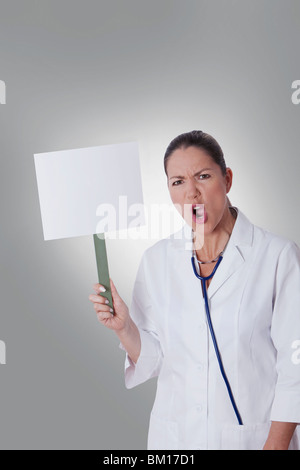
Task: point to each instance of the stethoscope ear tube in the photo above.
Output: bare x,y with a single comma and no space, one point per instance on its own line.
213,336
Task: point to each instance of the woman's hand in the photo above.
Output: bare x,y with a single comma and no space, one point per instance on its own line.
117,319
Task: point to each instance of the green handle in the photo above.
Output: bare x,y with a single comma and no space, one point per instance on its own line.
102,265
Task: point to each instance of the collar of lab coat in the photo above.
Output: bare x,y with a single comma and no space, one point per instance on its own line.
237,251
242,234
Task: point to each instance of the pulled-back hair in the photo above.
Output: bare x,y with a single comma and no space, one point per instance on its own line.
200,140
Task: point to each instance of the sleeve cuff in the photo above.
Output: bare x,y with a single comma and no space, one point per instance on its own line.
286,407
148,363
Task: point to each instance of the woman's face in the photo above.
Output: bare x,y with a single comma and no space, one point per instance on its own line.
198,188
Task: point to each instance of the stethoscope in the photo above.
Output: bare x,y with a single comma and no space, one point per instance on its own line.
210,326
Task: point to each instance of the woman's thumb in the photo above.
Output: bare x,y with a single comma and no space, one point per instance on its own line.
114,291
118,303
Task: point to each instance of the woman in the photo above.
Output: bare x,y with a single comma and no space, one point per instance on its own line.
254,300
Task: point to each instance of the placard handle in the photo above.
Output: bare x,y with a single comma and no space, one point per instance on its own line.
102,265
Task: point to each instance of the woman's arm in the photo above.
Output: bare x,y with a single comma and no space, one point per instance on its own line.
136,331
285,329
280,436
119,320
131,340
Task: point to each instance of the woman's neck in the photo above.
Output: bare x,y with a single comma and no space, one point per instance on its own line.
215,242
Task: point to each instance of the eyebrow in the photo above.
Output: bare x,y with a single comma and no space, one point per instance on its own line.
196,174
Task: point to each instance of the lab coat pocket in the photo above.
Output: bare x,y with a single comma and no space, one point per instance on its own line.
163,434
246,437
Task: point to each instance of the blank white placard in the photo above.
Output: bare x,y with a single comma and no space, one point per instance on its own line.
72,184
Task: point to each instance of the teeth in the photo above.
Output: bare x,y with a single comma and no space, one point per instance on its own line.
198,211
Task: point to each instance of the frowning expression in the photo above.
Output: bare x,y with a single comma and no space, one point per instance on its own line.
197,187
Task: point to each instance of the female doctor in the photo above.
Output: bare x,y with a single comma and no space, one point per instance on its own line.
226,350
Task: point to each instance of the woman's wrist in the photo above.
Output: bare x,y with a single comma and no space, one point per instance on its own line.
127,329
130,339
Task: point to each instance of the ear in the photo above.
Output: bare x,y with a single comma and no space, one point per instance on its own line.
228,179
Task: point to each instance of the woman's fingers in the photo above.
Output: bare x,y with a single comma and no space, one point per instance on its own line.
114,318
98,299
99,288
103,316
102,308
101,304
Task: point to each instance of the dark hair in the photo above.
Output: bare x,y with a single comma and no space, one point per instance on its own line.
200,140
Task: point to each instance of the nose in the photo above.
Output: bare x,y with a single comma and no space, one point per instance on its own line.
192,190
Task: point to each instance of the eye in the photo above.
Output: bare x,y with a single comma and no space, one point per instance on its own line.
204,176
177,183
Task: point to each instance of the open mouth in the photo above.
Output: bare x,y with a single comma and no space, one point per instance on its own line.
198,213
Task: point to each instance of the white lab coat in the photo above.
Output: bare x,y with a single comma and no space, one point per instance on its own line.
255,307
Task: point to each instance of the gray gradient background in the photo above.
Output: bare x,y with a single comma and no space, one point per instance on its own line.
85,73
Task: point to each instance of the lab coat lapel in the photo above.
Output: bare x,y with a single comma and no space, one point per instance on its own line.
230,263
236,253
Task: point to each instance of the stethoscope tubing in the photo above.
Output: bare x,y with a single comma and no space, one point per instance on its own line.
213,336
